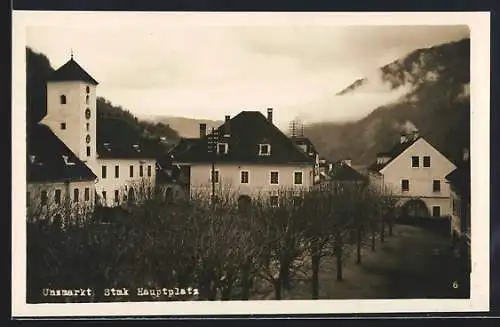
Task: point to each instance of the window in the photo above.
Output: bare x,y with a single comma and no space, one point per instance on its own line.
436,186
427,161
436,211
88,151
63,99
244,177
63,125
57,196
44,198
88,126
117,196
222,148
104,195
87,139
141,170
274,177
131,171
297,177
405,185
76,194
264,149
87,194
273,199
103,172
87,99
216,176
117,171
87,113
149,170
414,162
87,89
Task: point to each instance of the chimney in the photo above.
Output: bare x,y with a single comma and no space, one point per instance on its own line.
270,115
227,127
203,130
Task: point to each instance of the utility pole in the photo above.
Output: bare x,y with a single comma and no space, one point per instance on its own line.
212,149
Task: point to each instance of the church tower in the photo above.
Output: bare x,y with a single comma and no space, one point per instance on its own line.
72,110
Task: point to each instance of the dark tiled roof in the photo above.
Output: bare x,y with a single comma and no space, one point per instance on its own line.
393,153
140,150
72,71
302,140
247,130
343,172
460,179
47,156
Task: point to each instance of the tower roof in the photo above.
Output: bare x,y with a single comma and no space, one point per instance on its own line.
72,71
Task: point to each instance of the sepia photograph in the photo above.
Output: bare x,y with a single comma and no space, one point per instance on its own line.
250,163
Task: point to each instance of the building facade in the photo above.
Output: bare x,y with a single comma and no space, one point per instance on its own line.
250,158
59,185
415,172
121,173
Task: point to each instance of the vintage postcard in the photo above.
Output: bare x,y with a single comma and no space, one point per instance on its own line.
249,163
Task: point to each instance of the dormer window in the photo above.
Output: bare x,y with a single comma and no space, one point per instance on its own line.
136,147
107,146
222,148
264,149
32,158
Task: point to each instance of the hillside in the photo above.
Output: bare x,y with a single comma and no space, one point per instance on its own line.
114,123
186,127
438,104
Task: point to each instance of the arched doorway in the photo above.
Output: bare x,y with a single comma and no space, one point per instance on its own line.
415,208
244,203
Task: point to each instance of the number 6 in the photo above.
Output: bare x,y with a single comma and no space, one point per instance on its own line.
455,284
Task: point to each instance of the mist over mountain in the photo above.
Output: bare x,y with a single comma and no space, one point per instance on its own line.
428,87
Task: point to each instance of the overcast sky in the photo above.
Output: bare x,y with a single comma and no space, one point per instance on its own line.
153,67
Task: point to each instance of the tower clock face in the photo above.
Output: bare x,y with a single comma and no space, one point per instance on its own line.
87,139
87,113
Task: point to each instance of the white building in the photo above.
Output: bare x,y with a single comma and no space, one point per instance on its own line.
124,171
59,185
252,158
415,171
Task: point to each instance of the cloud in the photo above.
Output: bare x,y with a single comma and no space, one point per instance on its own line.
151,66
354,105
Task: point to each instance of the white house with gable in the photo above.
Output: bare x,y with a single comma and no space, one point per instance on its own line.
415,171
252,158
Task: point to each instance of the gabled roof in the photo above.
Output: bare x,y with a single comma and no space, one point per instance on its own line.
393,153
343,172
248,129
72,71
460,179
48,159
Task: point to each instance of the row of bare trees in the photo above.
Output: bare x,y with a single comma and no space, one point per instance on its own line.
222,248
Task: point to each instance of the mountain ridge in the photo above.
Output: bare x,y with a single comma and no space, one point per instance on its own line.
438,104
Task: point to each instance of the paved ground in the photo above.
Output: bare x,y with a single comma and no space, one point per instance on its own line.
413,263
